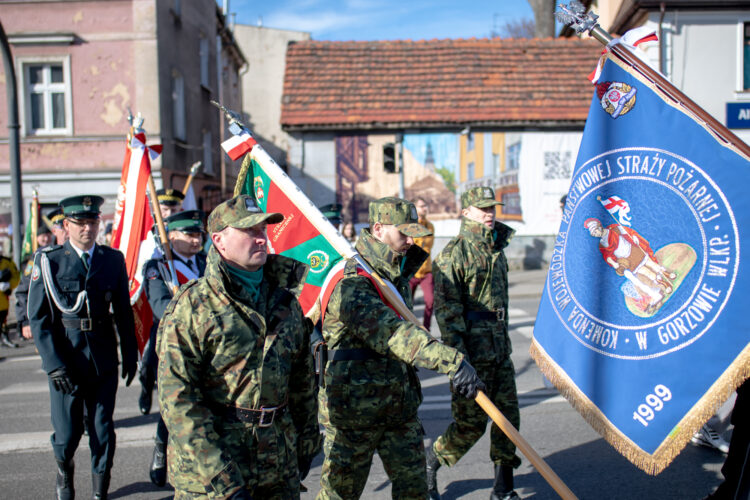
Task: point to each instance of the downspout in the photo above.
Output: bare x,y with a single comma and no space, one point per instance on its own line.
662,45
14,158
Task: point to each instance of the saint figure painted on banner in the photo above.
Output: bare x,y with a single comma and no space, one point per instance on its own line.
631,256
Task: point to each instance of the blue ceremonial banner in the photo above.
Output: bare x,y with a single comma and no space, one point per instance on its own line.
643,324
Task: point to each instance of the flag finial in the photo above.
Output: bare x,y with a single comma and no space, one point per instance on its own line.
576,16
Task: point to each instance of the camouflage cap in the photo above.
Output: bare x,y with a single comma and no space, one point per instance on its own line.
480,197
240,212
400,213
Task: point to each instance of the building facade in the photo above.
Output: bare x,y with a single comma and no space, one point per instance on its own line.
81,66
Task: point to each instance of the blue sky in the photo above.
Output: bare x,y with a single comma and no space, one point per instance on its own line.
382,19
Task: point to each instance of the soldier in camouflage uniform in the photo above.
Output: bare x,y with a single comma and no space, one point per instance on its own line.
235,370
471,301
371,391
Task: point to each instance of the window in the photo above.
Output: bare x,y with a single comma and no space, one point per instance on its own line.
470,171
513,159
512,201
496,165
469,142
204,53
208,161
746,57
47,97
178,106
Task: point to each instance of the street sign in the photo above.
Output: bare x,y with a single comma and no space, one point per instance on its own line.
738,115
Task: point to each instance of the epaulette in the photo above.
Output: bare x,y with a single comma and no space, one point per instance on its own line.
350,269
50,248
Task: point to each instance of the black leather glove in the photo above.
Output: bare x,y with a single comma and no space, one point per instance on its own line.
241,494
466,382
61,380
303,464
128,371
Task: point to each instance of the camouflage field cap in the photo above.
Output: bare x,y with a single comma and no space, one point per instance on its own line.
188,221
480,197
400,213
240,212
82,207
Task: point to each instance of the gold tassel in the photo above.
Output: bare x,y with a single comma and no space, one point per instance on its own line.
706,407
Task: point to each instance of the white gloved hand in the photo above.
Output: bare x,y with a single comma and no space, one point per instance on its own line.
4,286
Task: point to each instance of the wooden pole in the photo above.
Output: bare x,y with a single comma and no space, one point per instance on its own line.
162,233
34,220
193,170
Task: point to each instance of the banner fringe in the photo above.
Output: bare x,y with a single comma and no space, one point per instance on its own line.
242,176
654,463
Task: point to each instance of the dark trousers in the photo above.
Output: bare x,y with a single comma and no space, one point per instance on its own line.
97,395
427,286
736,469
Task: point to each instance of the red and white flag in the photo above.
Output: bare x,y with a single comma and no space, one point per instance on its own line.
239,144
131,233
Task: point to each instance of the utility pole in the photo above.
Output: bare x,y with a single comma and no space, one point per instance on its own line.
16,211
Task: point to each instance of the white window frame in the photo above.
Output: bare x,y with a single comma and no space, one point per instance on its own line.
22,64
179,122
511,155
741,92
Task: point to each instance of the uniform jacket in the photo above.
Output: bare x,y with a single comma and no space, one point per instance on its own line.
157,290
385,389
9,274
106,284
471,275
217,348
425,243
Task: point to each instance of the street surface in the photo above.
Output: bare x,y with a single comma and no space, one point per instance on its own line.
590,467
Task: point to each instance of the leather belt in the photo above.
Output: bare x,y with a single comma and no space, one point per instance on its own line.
83,324
352,354
498,315
262,418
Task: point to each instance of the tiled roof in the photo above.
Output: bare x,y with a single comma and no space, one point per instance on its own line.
433,83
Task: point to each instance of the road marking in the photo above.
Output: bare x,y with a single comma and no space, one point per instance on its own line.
142,435
18,359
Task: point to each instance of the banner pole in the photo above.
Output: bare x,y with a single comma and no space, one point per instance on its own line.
587,23
193,170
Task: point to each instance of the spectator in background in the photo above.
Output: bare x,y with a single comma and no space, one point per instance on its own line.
349,232
423,276
9,278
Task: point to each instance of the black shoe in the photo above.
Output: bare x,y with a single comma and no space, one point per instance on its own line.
433,464
6,341
158,471
144,401
100,485
64,485
502,489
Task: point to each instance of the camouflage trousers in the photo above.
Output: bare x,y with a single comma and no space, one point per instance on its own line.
272,493
348,456
470,421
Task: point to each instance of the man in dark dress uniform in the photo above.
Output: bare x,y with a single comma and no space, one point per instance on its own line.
185,232
72,289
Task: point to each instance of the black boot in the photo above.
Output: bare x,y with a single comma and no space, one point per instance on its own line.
433,464
100,485
147,391
503,487
64,486
158,470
